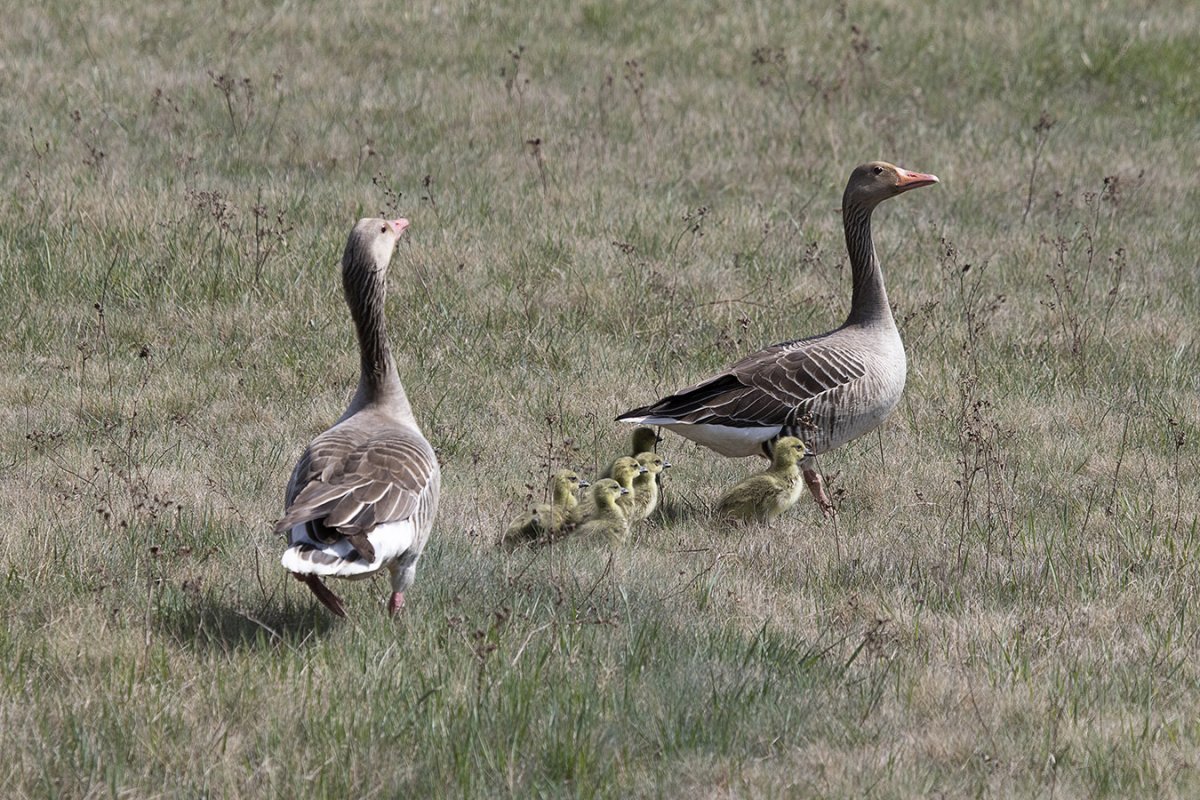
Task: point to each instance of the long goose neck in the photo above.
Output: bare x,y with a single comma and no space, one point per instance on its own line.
869,303
378,381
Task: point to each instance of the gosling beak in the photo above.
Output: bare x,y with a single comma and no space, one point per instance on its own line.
624,490
914,180
583,484
666,464
642,469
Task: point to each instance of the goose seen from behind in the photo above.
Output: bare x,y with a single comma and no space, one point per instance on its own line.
365,492
825,389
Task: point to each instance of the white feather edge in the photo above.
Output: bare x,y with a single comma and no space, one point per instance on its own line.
390,541
727,440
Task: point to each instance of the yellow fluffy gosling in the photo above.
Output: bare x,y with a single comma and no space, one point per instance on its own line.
765,496
625,469
606,518
645,486
546,520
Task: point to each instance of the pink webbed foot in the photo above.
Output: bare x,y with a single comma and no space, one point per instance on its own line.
396,603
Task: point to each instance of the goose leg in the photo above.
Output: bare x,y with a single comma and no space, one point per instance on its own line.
403,570
817,487
395,603
323,593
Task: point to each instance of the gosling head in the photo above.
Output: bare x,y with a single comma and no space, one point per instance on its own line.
625,469
606,491
652,463
563,485
789,451
644,438
569,479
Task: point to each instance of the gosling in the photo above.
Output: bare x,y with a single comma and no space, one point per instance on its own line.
767,495
606,518
625,469
546,520
645,486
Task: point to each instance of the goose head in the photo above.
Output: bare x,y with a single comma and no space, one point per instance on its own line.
625,469
872,183
607,490
564,485
372,242
569,478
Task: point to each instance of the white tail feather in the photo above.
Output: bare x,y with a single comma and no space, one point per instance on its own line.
727,440
306,556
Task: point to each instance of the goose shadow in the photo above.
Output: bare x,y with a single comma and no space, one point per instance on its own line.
207,622
676,507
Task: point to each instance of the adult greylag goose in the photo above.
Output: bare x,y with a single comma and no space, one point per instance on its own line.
825,389
364,493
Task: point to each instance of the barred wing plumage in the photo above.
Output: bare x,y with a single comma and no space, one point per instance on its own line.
764,389
351,481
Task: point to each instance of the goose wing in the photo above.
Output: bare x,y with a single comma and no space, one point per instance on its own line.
763,389
346,485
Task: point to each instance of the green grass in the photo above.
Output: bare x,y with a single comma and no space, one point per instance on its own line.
1006,604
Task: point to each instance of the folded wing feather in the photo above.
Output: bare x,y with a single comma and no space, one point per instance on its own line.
764,389
350,482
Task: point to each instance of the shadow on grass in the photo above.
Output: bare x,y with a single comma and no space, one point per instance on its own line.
207,622
676,507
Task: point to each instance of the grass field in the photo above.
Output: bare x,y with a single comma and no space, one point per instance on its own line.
609,200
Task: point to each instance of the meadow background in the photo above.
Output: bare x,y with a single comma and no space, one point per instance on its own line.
609,200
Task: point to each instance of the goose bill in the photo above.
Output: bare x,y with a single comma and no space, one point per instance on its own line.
914,180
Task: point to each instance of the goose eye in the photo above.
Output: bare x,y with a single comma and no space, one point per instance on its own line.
878,170
383,229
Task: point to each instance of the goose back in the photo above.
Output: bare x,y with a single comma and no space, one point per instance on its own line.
364,494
